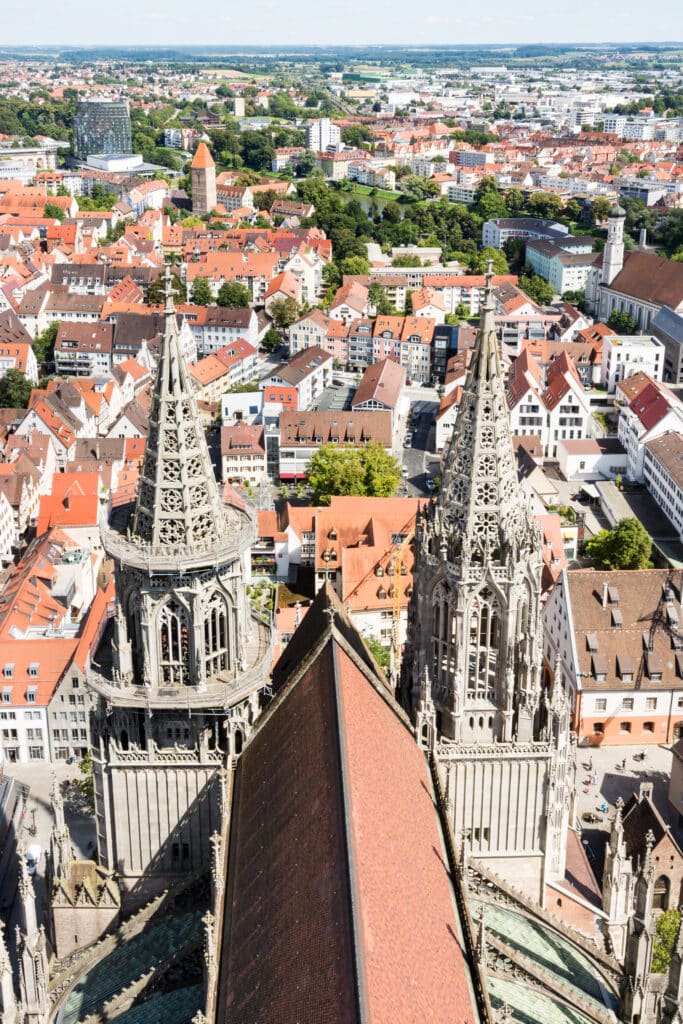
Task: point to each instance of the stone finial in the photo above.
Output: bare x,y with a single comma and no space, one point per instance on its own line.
505,1014
481,940
649,843
618,817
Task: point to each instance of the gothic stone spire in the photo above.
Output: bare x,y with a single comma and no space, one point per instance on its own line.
179,505
483,513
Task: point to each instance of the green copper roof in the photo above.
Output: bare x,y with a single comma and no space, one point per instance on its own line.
530,1007
549,950
178,1007
128,961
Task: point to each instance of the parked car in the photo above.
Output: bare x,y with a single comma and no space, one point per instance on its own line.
404,470
430,484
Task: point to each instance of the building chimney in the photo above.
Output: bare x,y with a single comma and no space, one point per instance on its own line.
605,590
642,238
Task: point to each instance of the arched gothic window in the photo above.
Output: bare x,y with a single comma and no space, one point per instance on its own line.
483,639
174,635
133,631
443,637
216,643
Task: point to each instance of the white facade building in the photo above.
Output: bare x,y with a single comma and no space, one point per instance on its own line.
322,135
623,355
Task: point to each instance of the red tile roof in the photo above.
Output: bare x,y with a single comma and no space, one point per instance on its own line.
338,863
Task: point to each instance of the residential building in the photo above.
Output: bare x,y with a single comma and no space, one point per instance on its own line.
647,409
84,350
228,367
300,434
214,327
555,409
309,331
322,135
243,454
351,301
299,383
616,634
593,458
497,232
624,355
380,388
668,327
564,264
663,475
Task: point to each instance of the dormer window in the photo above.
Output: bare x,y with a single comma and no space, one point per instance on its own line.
33,670
8,671
31,694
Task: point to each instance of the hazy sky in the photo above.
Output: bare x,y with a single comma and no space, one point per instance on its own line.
336,21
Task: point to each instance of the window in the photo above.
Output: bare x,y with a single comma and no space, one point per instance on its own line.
8,671
599,727
651,703
7,695
648,726
35,753
625,726
74,682
31,694
33,670
627,704
175,650
600,704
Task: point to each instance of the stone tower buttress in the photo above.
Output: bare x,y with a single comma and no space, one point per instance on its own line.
188,656
472,670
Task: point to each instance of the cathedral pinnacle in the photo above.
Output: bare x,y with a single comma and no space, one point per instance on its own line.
179,507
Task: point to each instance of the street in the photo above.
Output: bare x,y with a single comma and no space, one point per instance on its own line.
613,782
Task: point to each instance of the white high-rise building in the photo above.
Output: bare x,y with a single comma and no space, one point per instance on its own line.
322,135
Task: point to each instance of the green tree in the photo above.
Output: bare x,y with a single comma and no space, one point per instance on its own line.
600,208
626,546
537,288
344,469
86,783
356,135
54,212
622,322
233,294
572,210
305,163
355,265
283,312
544,204
378,299
264,200
488,202
155,292
271,340
15,390
666,932
379,653
479,262
200,293
514,201
258,151
44,343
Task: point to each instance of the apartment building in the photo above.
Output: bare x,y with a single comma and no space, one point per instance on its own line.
618,637
625,355
647,409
